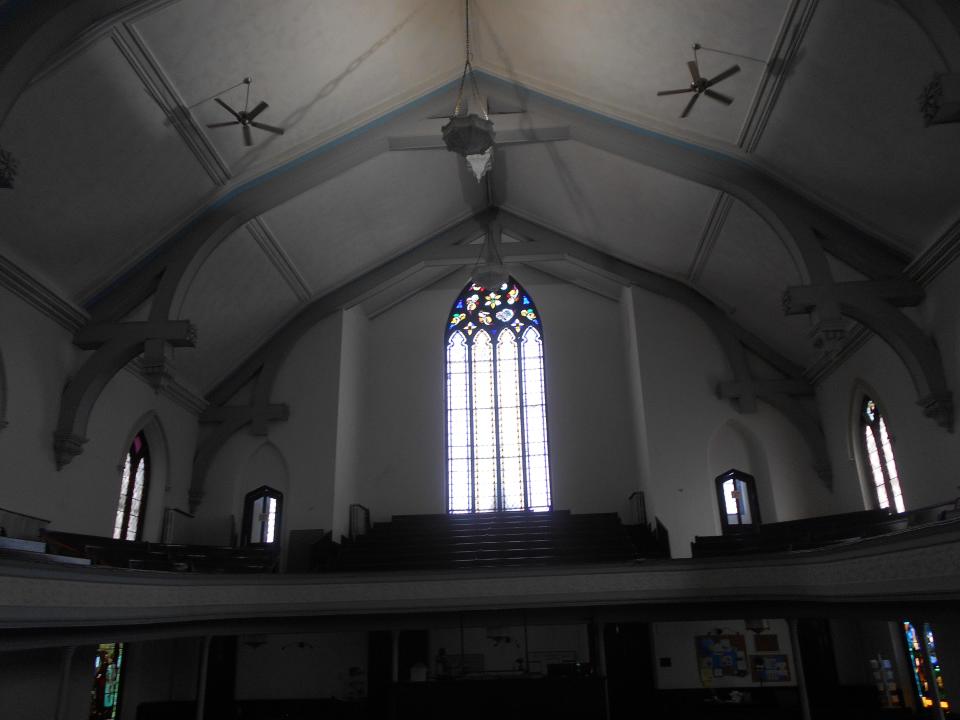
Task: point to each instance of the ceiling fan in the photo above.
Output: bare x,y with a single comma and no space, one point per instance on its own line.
700,85
246,119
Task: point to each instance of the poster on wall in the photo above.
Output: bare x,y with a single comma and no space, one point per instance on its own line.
769,668
720,656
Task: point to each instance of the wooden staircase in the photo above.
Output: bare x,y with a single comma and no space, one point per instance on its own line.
440,542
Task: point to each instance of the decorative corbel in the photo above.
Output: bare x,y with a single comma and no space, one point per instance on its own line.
114,345
874,304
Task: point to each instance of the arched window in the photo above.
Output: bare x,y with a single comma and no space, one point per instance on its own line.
737,498
134,480
879,456
261,516
497,455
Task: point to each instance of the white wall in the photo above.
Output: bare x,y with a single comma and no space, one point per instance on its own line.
309,383
30,683
39,359
692,435
402,464
354,362
313,665
502,647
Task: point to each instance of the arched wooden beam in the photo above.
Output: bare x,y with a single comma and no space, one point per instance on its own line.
116,345
875,306
36,32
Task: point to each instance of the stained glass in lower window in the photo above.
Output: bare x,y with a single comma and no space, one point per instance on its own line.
105,693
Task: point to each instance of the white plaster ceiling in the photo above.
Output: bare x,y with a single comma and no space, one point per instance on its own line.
614,57
372,212
642,215
748,271
848,126
105,175
323,67
236,299
102,178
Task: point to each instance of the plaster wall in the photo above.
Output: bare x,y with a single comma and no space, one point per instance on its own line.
692,435
308,382
402,466
159,671
30,685
39,358
350,445
302,666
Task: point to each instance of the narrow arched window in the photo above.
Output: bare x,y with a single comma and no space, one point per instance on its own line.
879,456
261,516
134,479
497,451
737,498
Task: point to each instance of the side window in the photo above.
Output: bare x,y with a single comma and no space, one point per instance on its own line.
134,480
878,452
737,500
261,516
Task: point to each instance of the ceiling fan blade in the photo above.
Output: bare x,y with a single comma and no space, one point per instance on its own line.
223,124
725,99
261,106
689,107
268,128
247,138
733,70
675,92
227,108
694,70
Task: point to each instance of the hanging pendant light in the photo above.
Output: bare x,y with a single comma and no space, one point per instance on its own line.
469,134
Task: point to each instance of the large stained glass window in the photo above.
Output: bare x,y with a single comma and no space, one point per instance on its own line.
105,693
879,454
497,454
134,479
927,678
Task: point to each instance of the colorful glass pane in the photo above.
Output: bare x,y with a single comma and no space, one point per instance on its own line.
105,693
925,666
484,424
459,436
497,455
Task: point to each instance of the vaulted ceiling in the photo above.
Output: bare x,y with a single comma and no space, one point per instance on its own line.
117,166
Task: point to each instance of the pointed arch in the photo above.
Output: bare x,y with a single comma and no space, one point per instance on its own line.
149,433
496,439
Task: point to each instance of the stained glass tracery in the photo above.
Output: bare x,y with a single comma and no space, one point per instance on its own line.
497,453
879,451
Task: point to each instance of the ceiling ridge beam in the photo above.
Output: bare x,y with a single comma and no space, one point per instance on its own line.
789,39
278,257
146,66
719,211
